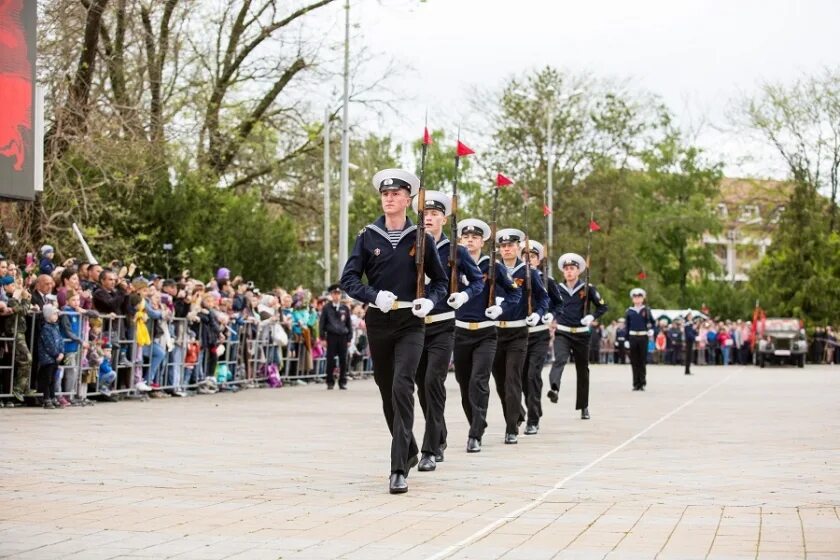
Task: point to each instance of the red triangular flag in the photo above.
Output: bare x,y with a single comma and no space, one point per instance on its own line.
502,181
641,275
593,226
463,150
546,211
427,138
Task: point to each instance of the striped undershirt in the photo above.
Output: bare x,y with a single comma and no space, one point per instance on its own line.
394,236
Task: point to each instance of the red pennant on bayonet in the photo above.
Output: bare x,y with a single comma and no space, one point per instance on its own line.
641,275
502,181
463,150
546,211
427,138
593,226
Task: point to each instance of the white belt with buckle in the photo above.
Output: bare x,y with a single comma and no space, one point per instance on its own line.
638,333
474,326
538,328
511,324
572,330
397,305
440,317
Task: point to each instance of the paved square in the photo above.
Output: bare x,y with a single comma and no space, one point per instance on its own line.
729,463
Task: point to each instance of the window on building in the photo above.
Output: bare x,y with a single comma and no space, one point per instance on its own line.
749,213
722,210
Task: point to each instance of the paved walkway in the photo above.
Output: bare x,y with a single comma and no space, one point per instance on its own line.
728,463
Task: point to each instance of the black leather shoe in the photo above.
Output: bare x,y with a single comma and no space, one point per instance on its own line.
584,414
427,463
531,429
397,484
330,387
552,395
473,445
511,438
412,462
439,457
642,388
343,387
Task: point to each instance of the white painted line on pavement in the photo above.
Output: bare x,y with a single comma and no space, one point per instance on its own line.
504,520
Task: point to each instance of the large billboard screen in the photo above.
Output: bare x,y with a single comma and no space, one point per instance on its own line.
17,98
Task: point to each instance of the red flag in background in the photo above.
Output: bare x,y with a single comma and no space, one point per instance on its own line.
641,275
546,211
593,226
427,138
502,181
463,150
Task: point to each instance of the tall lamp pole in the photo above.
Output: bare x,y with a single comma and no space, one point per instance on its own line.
343,216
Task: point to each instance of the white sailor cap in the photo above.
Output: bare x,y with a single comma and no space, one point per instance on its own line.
510,235
536,247
638,292
390,179
473,225
435,200
573,259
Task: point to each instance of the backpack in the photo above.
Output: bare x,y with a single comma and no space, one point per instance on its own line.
272,375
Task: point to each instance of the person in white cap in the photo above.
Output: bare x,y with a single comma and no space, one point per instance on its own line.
475,331
640,324
572,335
538,341
512,334
384,253
440,332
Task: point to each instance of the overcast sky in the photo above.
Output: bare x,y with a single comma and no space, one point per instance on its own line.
697,56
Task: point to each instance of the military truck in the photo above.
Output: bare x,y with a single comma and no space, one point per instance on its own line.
780,341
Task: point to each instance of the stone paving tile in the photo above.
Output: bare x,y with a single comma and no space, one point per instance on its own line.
741,470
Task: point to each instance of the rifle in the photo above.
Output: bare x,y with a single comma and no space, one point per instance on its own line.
491,273
453,245
527,252
420,242
588,268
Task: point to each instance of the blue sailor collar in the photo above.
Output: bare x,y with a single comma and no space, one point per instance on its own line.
580,284
444,241
483,258
379,227
516,267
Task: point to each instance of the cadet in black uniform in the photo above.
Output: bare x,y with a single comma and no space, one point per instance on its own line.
538,341
621,342
690,339
512,333
572,335
475,332
384,253
440,332
640,323
335,327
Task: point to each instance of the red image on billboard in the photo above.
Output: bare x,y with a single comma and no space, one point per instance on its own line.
17,54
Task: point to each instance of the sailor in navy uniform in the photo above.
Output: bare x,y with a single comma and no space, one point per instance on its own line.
475,331
690,339
538,341
384,253
512,333
640,323
440,332
622,345
335,327
572,335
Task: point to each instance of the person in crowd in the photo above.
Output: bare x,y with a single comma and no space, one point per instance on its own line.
725,343
622,344
14,326
50,356
46,264
690,335
72,330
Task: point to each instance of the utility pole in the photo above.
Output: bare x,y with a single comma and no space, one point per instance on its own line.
327,250
344,199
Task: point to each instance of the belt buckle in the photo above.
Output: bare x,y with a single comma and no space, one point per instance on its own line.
503,324
428,319
473,326
395,306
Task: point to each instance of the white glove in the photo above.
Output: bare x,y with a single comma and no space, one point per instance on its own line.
384,300
457,299
493,312
650,332
422,306
532,320
627,344
548,318
500,300
586,321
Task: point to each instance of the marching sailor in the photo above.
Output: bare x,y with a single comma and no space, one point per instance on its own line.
538,341
475,331
639,323
572,335
440,332
384,253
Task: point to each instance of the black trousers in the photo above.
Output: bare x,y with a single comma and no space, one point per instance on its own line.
396,342
474,352
532,382
431,378
638,359
337,347
689,354
577,344
508,365
46,380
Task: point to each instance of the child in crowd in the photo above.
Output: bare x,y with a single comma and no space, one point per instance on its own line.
71,330
46,265
97,356
50,355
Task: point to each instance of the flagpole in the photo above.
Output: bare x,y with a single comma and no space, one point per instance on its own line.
588,263
528,285
453,243
420,244
546,223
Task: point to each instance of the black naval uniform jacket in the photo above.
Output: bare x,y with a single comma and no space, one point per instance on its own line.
568,304
506,288
336,322
639,321
466,269
391,269
539,296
